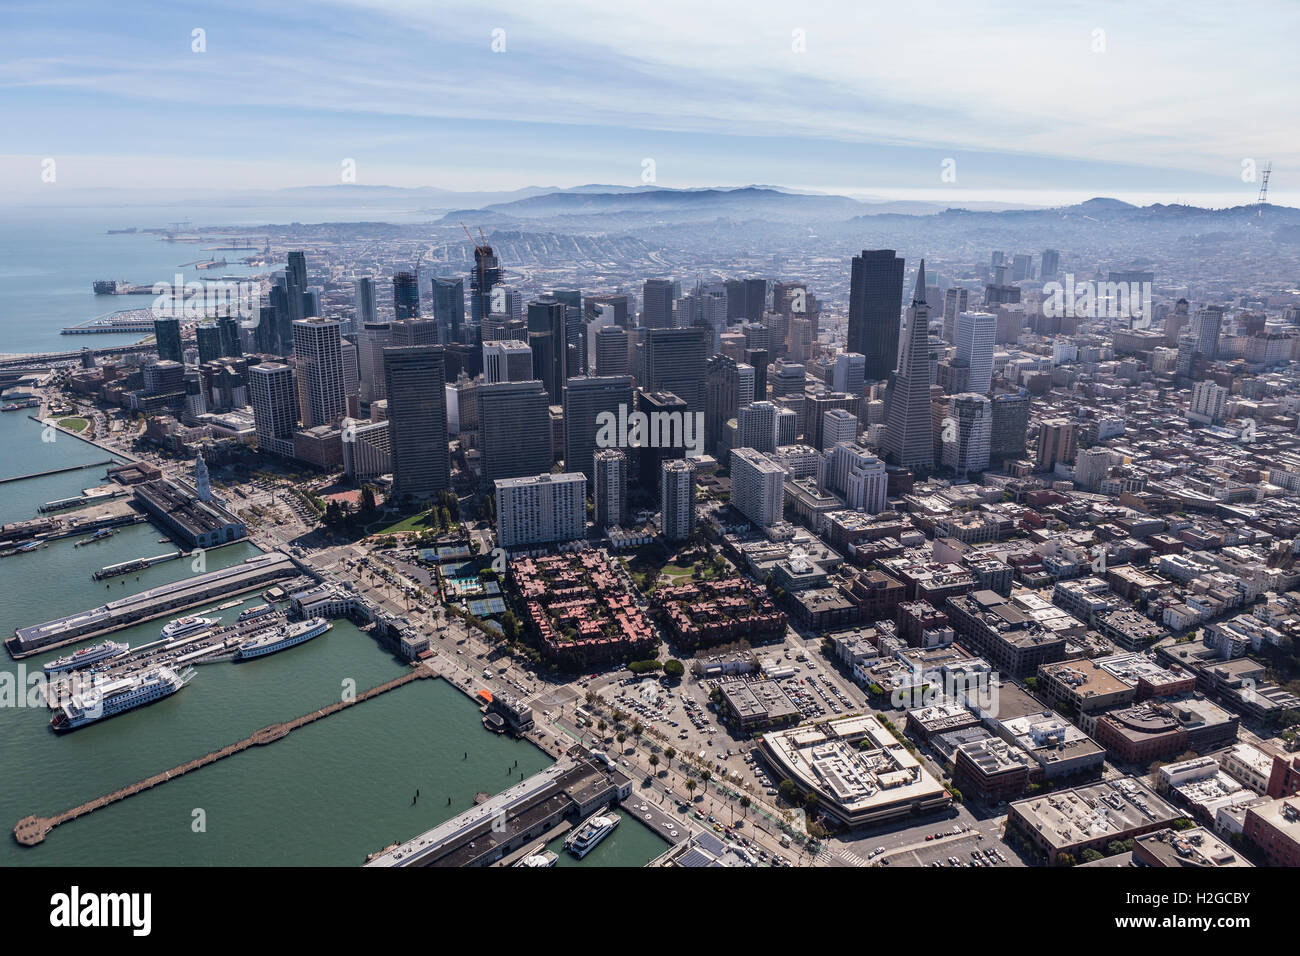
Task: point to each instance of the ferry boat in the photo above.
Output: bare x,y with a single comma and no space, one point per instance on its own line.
277,640
253,612
583,840
183,626
539,857
19,406
115,697
87,656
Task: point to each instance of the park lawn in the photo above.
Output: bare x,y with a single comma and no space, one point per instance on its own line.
74,424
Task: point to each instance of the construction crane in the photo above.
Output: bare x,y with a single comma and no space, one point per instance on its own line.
1264,189
477,248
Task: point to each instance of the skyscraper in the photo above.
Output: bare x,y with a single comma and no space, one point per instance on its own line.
507,361
875,299
967,432
363,296
449,307
547,335
585,399
722,398
757,487
611,351
677,499
515,428
414,331
322,397
541,509
675,361
657,303
837,426
406,296
756,427
1010,424
954,304
609,466
485,277
909,442
414,377
850,373
976,333
1050,264
274,396
167,334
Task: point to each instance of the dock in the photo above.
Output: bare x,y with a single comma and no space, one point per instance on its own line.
31,830
59,471
153,603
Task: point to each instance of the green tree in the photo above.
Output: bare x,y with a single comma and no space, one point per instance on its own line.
788,791
670,753
674,668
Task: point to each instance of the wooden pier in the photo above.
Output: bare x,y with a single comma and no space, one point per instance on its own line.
59,471
31,830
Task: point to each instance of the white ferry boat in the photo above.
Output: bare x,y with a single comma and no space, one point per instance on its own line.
253,612
114,697
183,626
87,656
282,637
584,839
539,857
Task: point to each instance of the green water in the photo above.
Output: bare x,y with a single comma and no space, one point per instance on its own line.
631,844
328,794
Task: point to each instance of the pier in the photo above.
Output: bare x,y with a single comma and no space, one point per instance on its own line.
147,605
31,830
59,471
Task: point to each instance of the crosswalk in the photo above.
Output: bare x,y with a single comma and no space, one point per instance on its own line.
851,858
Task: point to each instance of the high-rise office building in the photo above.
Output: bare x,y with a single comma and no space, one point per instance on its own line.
417,420
976,335
1049,264
618,303
677,499
208,337
541,509
909,441
967,433
875,300
816,403
611,351
415,331
363,298
609,466
547,336
274,396
322,397
758,360
725,394
1057,440
838,425
954,304
585,400
854,472
675,361
449,307
1010,425
1209,323
657,303
371,340
515,429
659,407
507,361
167,335
849,373
757,487
406,296
485,277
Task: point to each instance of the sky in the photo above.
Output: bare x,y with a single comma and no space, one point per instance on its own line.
1017,100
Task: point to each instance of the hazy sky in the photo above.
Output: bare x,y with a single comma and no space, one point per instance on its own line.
1026,97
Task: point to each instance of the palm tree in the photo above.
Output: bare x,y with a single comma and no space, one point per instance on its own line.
690,787
706,775
654,760
622,738
670,753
